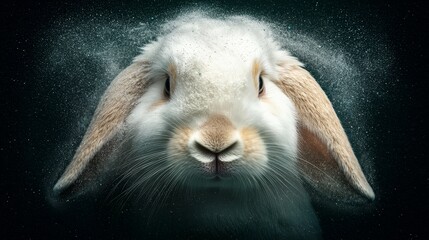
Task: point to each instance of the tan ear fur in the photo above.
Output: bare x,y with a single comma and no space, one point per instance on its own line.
107,124
326,156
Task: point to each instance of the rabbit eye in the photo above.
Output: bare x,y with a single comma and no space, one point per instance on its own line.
261,86
167,87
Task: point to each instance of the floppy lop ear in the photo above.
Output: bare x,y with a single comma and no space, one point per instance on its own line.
326,158
104,132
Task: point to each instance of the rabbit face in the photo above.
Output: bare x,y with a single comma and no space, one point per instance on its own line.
217,123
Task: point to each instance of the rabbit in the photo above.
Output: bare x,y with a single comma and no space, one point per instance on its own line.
215,122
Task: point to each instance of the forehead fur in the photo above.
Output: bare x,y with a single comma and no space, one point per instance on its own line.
230,43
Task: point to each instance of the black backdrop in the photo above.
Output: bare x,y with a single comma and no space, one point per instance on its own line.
33,116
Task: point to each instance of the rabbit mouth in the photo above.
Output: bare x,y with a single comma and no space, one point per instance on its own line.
217,168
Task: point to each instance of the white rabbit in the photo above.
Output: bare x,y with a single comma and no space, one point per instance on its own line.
215,113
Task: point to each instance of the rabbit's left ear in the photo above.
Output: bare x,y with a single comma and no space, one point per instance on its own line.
326,158
104,132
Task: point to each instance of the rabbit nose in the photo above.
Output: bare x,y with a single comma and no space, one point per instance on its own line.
217,138
205,153
209,150
216,161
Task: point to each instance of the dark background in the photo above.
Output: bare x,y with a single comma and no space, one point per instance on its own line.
33,115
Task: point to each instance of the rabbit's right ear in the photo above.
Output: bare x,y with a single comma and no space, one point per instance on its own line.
103,134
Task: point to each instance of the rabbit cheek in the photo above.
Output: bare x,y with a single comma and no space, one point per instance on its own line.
254,148
178,145
270,104
157,104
